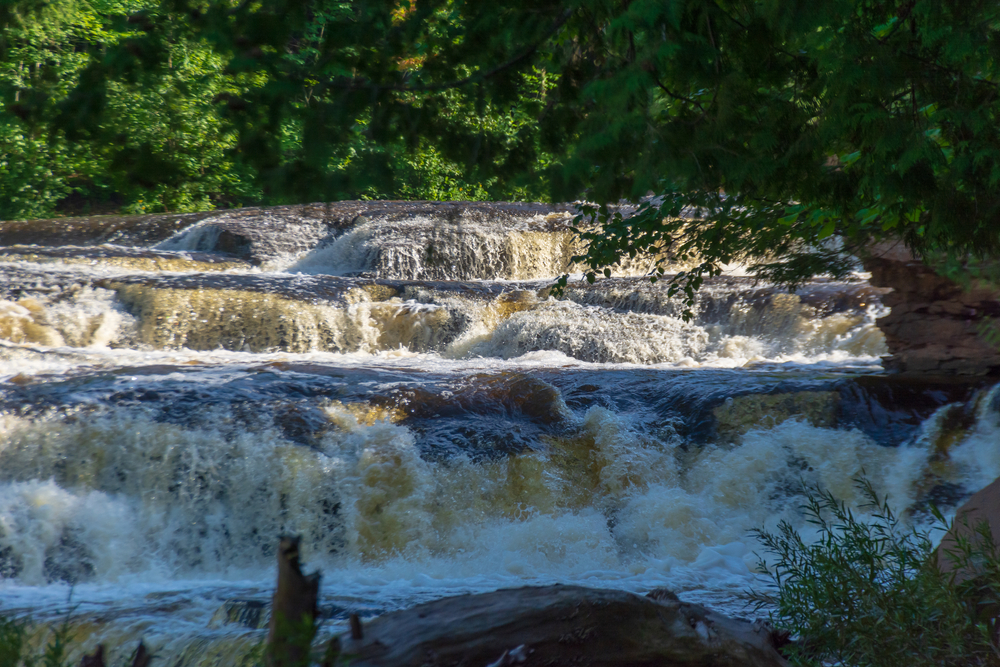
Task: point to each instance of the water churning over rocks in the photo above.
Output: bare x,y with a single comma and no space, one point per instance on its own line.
398,383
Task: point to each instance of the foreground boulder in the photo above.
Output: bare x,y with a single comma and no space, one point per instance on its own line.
983,506
559,625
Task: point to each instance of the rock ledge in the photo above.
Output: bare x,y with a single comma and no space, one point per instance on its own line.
936,325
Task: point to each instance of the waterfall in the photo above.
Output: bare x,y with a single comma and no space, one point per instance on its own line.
402,387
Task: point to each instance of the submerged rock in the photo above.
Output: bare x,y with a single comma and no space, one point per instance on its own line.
125,230
560,625
252,614
736,416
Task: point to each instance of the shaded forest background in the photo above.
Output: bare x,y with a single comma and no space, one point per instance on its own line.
783,135
167,140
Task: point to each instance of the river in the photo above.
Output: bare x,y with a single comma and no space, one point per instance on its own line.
399,386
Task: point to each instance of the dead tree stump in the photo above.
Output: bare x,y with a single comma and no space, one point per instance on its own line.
293,611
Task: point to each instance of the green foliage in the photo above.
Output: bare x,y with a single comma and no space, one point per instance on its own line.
13,642
718,230
291,643
148,105
869,593
763,128
862,119
16,650
38,63
161,144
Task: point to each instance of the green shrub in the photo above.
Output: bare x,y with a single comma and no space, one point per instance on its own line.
16,649
869,592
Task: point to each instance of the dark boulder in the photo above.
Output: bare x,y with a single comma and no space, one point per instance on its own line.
560,625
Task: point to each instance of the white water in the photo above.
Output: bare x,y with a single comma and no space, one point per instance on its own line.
149,502
145,456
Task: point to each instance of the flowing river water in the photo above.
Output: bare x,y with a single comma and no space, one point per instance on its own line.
401,388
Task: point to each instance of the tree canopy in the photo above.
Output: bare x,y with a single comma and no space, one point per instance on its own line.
764,129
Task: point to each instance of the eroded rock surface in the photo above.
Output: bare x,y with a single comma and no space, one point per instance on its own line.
560,625
936,325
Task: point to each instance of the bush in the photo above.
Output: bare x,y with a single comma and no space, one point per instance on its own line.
869,592
16,649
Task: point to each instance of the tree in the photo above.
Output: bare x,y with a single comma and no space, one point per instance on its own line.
161,144
781,124
188,104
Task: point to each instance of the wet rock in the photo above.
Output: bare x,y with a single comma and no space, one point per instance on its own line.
252,614
936,325
140,658
560,625
890,409
68,560
260,234
126,230
663,595
300,423
942,494
139,259
95,659
486,393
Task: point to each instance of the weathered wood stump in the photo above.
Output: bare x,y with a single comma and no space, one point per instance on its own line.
293,611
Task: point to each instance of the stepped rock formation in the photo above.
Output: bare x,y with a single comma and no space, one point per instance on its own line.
936,325
122,230
257,233
560,625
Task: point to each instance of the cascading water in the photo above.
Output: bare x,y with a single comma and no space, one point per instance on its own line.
405,393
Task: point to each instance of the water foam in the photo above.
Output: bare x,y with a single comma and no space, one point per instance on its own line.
599,334
136,495
207,319
200,237
426,249
78,316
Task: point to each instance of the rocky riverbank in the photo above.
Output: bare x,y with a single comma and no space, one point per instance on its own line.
936,326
